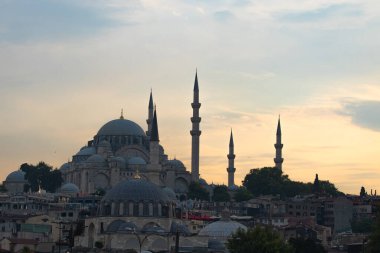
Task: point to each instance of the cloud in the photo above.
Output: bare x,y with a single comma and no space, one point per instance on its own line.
363,113
38,20
223,16
321,13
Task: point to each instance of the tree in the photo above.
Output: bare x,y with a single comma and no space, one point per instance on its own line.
265,181
271,181
99,244
220,194
26,249
363,225
363,193
374,239
302,245
242,194
42,175
257,239
196,191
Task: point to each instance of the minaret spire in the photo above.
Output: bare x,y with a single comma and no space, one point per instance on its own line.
195,132
150,114
278,160
154,133
231,163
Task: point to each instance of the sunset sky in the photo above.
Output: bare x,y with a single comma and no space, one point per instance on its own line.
67,67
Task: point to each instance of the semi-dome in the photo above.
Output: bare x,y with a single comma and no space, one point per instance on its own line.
69,188
64,167
96,159
121,127
222,228
86,151
136,190
136,161
177,164
16,176
170,193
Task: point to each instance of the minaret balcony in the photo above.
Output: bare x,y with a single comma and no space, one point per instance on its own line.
278,160
231,170
196,105
231,156
195,119
195,132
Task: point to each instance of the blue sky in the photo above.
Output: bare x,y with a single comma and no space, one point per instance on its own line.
67,67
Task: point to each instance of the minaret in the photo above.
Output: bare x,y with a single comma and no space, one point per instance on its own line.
231,163
154,141
195,132
150,114
278,160
154,166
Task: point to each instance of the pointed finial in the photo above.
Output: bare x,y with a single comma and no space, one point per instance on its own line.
279,126
150,106
154,132
121,115
231,139
196,81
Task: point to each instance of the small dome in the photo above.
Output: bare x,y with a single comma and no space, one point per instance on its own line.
170,193
177,164
64,167
121,127
136,190
16,176
69,188
221,228
96,159
136,161
86,151
202,181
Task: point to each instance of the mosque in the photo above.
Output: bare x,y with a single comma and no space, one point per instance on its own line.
121,150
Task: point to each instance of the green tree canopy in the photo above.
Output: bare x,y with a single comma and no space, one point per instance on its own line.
302,245
256,240
363,193
197,191
374,239
42,175
220,194
272,181
242,194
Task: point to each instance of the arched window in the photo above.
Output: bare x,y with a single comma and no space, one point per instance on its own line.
141,209
150,207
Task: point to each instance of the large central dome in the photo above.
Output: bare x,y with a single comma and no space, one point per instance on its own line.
121,127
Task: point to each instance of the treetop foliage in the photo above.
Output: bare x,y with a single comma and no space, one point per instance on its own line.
42,175
220,194
272,181
257,239
197,191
